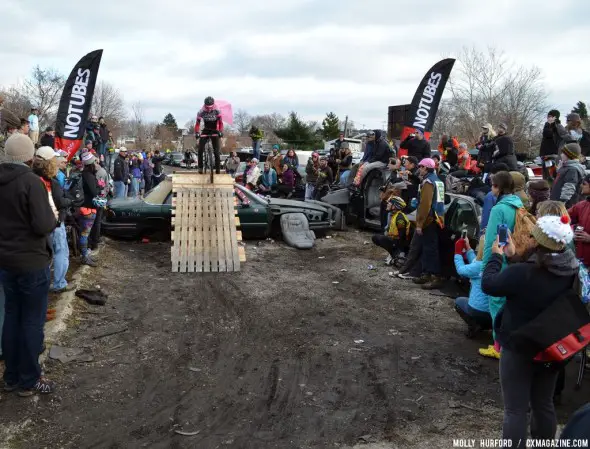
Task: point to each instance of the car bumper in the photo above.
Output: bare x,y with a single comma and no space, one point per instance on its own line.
122,230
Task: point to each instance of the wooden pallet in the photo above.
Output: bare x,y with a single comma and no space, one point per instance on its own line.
204,218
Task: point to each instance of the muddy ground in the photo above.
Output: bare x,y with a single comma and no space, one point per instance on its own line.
277,356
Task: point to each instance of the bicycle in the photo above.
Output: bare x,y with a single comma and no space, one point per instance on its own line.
208,159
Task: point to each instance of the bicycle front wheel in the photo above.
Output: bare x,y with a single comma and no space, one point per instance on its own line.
209,149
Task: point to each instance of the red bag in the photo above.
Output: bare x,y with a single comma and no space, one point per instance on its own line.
565,348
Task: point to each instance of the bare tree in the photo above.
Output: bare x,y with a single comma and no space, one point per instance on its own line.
242,121
190,126
486,88
43,91
108,103
268,123
138,123
16,102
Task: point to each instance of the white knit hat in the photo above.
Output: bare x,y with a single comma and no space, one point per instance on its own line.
553,232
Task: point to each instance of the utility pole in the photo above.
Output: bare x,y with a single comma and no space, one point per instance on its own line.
345,126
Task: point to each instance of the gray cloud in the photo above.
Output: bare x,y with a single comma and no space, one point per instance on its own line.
311,56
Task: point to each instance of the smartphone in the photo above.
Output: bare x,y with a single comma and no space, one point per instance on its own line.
579,228
503,234
464,234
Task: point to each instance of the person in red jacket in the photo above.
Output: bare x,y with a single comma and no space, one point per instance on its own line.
580,215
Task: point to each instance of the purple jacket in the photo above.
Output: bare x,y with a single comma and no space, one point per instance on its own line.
289,178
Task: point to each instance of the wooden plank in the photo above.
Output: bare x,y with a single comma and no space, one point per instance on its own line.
179,230
195,178
206,233
234,240
174,251
242,253
213,247
191,231
226,225
239,235
184,232
198,221
237,222
221,243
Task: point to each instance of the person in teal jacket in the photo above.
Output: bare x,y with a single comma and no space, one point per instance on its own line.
504,212
475,310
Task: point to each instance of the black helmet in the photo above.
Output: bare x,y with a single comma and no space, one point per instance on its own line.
209,101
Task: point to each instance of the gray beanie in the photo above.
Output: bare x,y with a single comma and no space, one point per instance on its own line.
19,148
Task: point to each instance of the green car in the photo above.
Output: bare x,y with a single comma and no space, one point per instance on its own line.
259,216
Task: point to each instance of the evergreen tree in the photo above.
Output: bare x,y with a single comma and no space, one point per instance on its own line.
170,123
330,126
298,134
581,109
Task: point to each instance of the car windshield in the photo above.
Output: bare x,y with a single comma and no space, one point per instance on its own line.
159,193
251,196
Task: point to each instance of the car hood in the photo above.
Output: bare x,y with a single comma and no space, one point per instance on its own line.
125,203
296,204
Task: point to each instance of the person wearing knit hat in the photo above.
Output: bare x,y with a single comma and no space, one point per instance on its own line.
87,213
88,158
569,176
19,148
552,232
538,191
25,257
530,288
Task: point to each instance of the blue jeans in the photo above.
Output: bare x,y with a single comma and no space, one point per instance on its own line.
102,149
22,337
430,253
309,191
256,149
120,189
61,257
472,316
135,186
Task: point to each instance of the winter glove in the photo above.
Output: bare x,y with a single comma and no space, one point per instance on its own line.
197,135
460,248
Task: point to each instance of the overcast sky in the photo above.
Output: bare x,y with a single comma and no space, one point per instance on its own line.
312,56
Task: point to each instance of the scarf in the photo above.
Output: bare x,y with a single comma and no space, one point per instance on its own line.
50,196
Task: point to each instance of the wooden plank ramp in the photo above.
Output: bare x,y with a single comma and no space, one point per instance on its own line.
204,218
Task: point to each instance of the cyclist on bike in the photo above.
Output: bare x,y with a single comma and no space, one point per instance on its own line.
212,128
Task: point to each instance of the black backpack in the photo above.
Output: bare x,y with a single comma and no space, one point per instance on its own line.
74,189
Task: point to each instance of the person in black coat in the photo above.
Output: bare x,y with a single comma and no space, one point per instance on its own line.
529,289
381,151
88,210
505,149
48,139
417,145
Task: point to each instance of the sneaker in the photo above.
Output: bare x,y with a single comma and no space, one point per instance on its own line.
490,352
10,388
89,261
43,386
436,282
422,280
388,260
67,288
406,276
